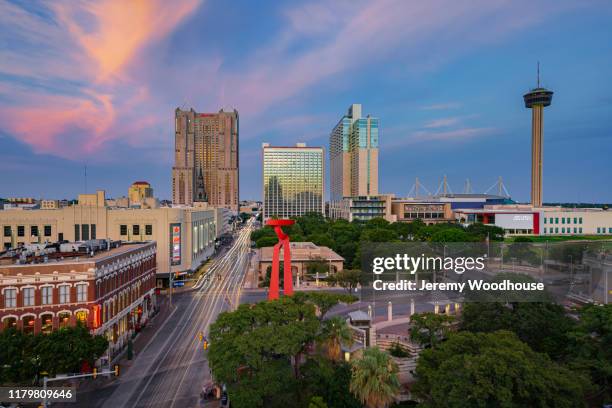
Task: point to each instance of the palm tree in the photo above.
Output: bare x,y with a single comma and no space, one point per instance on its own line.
375,378
335,332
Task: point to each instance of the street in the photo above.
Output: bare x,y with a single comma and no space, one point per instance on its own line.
172,368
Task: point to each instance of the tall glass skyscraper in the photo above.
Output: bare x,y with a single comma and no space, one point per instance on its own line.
293,180
353,156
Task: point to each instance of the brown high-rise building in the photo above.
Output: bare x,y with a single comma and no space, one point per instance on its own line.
206,158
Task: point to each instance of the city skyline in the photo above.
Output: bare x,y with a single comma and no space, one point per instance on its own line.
444,79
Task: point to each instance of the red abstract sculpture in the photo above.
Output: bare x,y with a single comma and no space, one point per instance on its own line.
283,242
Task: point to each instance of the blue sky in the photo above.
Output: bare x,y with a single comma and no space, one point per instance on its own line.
97,84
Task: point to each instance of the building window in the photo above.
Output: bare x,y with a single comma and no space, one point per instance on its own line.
47,295
575,220
148,229
20,231
580,220
93,231
562,220
556,220
575,230
81,293
34,230
10,298
580,230
47,230
556,230
135,229
563,230
609,230
28,296
123,229
64,294
544,220
545,228
7,231
85,229
46,322
63,319
77,232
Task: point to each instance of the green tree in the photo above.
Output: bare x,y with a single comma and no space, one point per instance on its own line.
24,356
317,402
348,279
493,370
590,350
250,346
334,333
18,365
65,350
542,325
375,380
330,380
450,235
379,235
266,241
323,301
481,231
321,239
429,329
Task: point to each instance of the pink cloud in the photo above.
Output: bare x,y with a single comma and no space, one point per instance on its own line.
93,45
106,47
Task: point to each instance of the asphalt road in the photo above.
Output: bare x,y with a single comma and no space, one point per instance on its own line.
172,368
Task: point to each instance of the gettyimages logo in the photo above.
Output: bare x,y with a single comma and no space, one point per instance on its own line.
410,264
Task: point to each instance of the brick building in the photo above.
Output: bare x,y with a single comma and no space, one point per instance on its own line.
111,292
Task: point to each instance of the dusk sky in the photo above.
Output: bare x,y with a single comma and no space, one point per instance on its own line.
97,83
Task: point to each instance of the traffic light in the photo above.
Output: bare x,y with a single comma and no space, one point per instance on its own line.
200,336
205,345
116,370
94,373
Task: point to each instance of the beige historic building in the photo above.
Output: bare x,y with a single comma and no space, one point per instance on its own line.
302,254
193,241
139,191
206,159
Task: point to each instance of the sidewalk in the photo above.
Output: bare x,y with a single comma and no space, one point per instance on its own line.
145,334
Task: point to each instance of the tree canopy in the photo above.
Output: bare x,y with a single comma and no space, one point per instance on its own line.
494,369
260,351
24,356
375,380
346,238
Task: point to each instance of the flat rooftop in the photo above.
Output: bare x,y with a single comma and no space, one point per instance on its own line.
302,251
67,261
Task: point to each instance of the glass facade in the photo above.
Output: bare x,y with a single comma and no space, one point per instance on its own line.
353,155
293,181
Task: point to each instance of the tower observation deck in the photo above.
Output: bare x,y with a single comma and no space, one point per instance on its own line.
536,100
